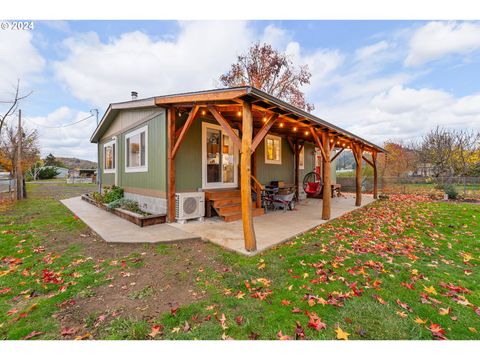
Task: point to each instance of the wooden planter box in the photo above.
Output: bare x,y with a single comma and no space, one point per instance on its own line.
137,219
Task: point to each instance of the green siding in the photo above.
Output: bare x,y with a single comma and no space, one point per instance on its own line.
107,179
188,160
155,178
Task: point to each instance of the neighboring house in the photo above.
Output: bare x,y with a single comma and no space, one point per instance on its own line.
159,146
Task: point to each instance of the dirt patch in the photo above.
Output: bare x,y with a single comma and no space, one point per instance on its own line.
164,280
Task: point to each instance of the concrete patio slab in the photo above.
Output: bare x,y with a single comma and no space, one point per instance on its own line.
114,229
272,228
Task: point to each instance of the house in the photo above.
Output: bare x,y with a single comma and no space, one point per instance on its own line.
224,142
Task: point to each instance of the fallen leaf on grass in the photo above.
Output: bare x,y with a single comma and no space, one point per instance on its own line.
239,320
473,330
67,331
156,329
315,322
32,335
280,336
444,311
437,331
299,332
285,302
420,321
430,290
84,336
341,335
402,314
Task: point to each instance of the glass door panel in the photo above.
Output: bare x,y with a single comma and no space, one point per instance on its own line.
228,160
214,160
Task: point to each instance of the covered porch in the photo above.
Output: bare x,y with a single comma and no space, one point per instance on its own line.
273,228
246,116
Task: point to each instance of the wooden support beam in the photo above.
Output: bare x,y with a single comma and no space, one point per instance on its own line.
290,143
327,178
245,176
263,131
170,164
226,126
375,175
357,150
337,154
185,128
318,142
368,161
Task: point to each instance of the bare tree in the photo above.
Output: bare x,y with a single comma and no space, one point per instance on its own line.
437,151
12,105
466,146
269,70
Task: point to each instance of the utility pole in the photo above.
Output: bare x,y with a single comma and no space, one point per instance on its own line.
19,158
99,179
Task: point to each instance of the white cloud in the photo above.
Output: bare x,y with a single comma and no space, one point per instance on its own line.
438,39
104,72
366,52
19,59
65,141
405,113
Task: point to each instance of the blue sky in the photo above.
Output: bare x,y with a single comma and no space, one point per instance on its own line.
380,79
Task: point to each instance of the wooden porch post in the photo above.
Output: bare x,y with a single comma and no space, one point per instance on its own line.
327,179
245,173
297,167
357,153
170,165
375,175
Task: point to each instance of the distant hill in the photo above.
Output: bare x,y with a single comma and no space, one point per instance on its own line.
74,163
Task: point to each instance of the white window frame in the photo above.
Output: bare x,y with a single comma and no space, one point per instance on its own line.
301,159
112,170
268,161
133,169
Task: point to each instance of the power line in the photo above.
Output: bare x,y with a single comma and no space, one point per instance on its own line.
61,126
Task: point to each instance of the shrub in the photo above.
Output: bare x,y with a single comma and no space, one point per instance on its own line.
126,204
112,194
451,191
47,172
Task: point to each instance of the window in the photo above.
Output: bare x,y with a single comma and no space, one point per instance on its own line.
109,157
273,150
136,150
301,159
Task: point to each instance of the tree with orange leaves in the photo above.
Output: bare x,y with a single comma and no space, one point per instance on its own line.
271,71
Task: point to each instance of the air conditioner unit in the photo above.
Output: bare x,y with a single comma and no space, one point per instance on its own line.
189,205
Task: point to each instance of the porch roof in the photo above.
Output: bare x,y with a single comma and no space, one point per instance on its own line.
228,100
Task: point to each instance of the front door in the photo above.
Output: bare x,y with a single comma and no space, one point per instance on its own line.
220,158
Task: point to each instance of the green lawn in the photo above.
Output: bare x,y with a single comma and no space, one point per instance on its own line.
403,268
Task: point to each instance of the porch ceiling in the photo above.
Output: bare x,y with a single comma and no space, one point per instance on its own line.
292,122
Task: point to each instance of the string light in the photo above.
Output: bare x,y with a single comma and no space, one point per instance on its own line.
343,145
264,119
331,140
203,112
295,128
281,125
239,113
338,142
306,132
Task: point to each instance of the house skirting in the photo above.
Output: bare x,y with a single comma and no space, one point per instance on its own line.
151,204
